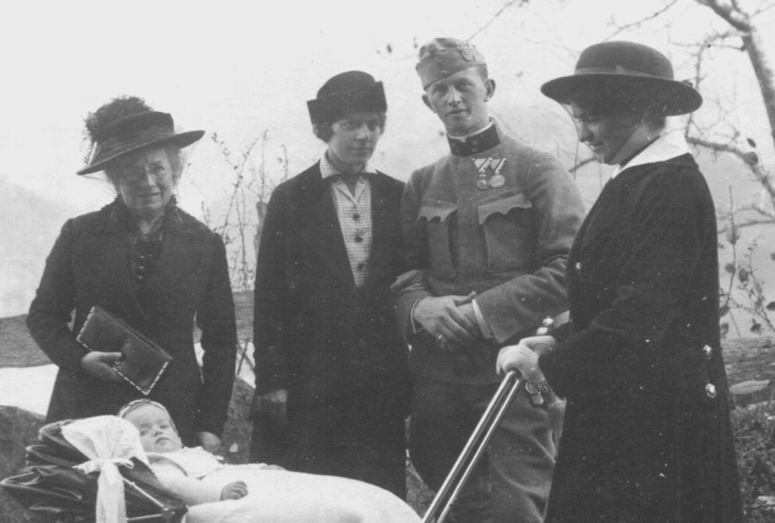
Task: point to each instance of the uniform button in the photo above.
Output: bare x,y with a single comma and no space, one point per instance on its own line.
707,351
577,266
139,278
710,390
360,266
358,238
356,216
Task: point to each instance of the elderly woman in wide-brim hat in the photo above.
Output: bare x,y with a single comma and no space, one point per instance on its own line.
145,261
647,434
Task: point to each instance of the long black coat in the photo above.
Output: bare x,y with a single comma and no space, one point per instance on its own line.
335,348
89,265
643,439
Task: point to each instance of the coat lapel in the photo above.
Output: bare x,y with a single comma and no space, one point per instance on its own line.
320,224
380,221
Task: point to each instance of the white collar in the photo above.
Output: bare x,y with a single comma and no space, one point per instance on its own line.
469,135
328,169
668,145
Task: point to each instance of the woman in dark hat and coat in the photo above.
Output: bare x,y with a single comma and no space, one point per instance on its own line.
647,434
331,370
147,262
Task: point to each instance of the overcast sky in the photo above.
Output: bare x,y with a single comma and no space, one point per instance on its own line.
239,68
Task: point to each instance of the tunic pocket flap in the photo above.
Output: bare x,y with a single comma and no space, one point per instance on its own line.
502,206
436,209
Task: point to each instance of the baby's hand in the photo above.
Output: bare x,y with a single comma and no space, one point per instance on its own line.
234,490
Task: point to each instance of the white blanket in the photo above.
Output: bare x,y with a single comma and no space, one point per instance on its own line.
276,496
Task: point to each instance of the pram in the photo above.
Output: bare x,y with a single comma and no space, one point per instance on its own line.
49,484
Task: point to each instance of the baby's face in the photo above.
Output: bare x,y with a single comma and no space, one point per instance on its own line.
156,432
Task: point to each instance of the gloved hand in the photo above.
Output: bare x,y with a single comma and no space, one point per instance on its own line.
523,358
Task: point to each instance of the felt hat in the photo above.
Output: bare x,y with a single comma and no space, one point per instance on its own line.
134,132
626,69
348,92
444,56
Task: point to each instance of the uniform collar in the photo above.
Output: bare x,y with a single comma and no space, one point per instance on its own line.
474,143
666,146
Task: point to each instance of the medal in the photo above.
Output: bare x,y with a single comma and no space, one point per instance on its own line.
497,180
489,172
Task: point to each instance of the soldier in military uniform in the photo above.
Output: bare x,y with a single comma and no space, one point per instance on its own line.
487,232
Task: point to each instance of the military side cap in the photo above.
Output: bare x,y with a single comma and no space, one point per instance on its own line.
348,92
442,57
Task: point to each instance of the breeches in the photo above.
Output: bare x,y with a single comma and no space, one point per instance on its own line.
511,482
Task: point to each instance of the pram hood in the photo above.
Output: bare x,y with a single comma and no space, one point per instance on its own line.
51,483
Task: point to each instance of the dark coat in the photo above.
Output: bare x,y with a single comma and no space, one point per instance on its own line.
334,347
643,440
89,265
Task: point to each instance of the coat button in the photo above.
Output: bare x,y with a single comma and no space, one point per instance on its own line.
707,351
358,238
577,266
710,390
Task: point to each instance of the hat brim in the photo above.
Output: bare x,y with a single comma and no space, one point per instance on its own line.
181,140
673,96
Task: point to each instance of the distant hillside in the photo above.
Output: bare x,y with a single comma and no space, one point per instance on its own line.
29,224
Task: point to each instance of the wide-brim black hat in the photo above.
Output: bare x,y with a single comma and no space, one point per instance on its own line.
134,132
626,68
348,92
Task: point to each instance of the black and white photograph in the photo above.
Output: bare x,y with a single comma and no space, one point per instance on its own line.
387,262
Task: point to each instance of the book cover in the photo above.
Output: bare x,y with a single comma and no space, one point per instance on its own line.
143,362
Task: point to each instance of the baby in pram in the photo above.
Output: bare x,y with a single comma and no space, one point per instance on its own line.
253,492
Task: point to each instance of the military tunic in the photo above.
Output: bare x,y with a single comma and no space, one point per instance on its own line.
498,218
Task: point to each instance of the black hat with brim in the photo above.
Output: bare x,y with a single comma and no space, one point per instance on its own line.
348,92
626,69
133,133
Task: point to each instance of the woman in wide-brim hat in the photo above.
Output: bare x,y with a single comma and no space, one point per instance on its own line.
647,433
150,264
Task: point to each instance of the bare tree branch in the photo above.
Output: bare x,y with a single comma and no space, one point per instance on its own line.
760,174
748,223
730,12
655,14
494,17
754,47
581,164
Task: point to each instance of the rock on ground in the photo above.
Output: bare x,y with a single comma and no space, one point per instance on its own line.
18,428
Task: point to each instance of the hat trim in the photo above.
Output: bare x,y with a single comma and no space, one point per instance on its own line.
618,71
96,163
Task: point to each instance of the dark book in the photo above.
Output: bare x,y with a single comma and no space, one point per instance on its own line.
143,362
